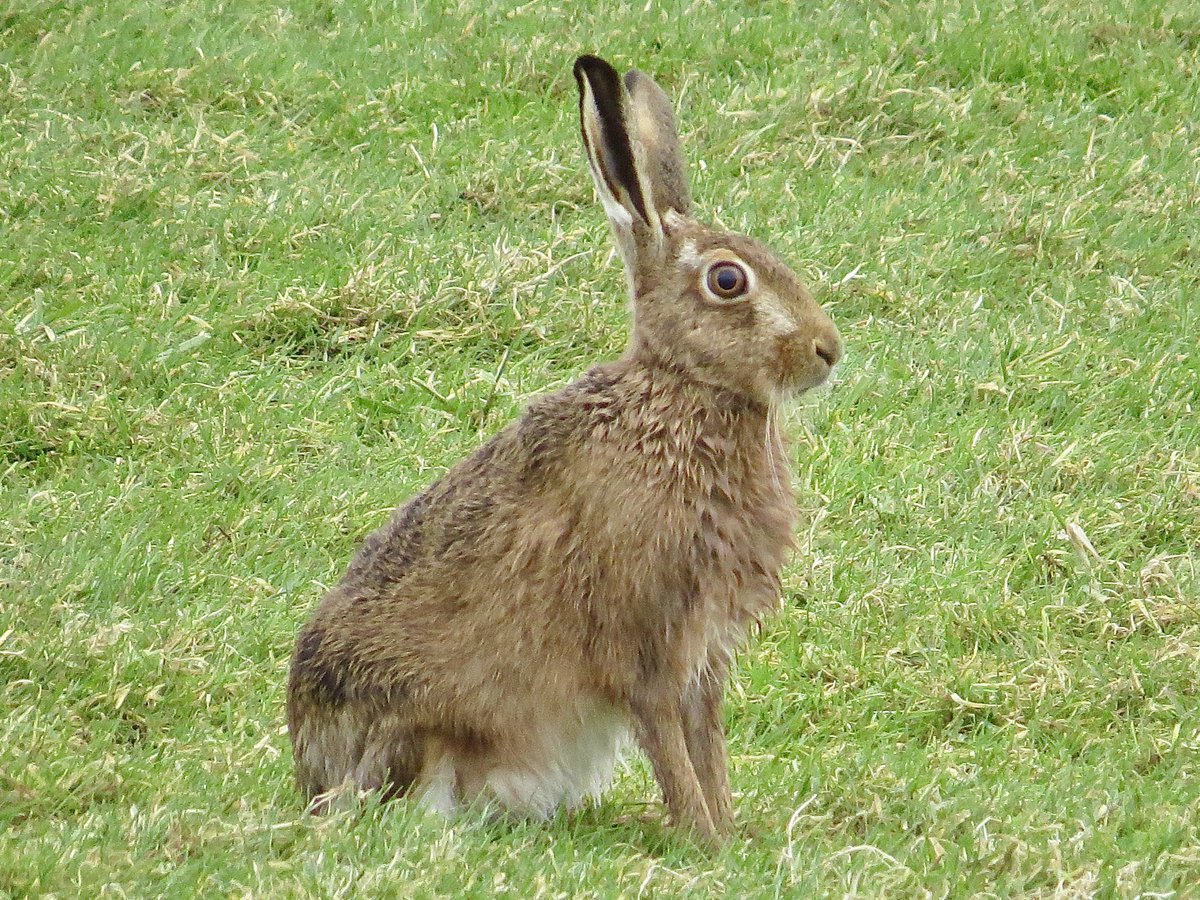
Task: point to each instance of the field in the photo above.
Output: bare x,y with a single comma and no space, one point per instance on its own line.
268,269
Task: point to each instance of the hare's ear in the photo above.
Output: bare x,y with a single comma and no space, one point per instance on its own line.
616,157
654,126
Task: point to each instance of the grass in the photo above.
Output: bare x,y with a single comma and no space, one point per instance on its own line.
266,270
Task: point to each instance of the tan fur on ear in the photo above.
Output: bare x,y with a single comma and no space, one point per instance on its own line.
654,126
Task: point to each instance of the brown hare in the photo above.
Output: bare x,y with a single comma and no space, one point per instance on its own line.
588,572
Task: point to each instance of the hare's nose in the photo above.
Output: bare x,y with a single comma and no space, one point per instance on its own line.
829,348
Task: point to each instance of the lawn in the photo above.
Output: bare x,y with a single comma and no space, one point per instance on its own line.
268,269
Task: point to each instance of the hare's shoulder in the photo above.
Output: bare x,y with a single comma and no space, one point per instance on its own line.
523,459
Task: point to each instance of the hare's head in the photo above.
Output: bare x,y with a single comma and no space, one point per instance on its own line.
720,306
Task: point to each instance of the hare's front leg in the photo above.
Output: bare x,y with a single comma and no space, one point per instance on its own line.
660,730
704,729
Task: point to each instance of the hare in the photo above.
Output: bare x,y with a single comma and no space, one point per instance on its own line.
585,575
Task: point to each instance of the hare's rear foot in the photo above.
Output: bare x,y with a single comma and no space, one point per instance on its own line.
346,750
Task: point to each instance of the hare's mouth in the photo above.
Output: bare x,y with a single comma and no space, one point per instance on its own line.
807,381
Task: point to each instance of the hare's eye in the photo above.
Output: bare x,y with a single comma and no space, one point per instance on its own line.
727,280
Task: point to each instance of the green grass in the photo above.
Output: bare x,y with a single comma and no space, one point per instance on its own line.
265,270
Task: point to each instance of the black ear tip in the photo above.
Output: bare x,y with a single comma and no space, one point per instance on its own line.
589,66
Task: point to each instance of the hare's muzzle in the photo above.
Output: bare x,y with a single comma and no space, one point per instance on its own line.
825,347
828,347
809,353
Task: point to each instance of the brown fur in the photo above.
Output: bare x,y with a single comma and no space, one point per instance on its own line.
593,566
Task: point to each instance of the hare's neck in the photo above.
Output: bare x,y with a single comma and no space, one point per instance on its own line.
722,433
704,392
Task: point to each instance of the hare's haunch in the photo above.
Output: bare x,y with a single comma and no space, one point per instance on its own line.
586,574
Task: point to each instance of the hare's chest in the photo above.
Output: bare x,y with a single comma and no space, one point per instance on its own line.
736,557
